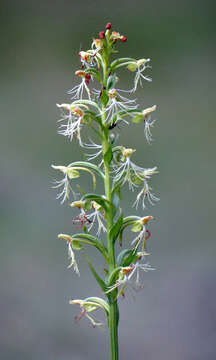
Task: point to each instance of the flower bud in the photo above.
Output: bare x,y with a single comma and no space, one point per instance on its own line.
108,26
101,35
112,93
123,38
128,152
126,270
79,204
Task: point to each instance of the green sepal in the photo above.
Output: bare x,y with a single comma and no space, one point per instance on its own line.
137,226
76,245
90,166
92,240
137,180
119,61
100,302
121,256
87,102
99,199
116,228
104,98
111,81
132,67
73,174
89,307
87,205
138,119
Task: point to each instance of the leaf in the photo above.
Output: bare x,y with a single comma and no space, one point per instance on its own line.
113,276
104,98
108,155
131,258
115,230
111,81
92,240
122,255
100,282
116,199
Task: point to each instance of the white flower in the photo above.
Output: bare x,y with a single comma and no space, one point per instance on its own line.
148,122
74,118
87,306
78,90
145,193
126,277
71,255
144,234
97,217
127,170
88,58
140,66
64,183
118,103
93,146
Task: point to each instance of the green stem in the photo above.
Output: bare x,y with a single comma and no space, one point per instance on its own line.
113,316
112,298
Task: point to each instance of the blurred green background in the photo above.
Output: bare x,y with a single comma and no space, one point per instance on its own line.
174,316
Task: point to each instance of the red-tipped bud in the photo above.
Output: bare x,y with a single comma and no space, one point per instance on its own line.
87,78
101,35
108,26
123,39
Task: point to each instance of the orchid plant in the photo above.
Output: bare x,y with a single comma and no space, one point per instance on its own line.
100,109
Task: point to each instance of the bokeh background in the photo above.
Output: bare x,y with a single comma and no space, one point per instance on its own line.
174,317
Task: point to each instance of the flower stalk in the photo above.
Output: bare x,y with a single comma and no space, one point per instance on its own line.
101,112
